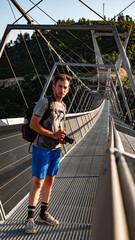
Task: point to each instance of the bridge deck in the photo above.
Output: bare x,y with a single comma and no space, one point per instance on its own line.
74,190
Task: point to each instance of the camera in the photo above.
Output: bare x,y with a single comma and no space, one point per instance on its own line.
68,139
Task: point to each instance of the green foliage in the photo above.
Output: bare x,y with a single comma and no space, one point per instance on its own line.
11,101
132,113
84,61
62,46
63,42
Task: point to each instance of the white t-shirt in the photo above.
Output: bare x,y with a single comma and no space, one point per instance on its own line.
54,122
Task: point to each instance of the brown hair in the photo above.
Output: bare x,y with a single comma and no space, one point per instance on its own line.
62,77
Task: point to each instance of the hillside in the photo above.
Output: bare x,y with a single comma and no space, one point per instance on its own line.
70,48
62,42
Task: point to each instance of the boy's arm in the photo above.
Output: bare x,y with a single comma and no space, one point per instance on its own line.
35,125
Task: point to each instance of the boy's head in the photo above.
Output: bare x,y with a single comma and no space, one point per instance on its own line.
61,86
62,77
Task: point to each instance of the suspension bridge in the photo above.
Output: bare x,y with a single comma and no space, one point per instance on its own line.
93,195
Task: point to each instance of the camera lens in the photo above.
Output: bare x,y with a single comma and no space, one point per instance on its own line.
68,139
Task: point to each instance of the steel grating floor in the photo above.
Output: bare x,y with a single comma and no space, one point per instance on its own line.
73,194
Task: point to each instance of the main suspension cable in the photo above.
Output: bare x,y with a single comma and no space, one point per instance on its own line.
122,10
55,51
69,33
28,50
72,33
94,11
62,43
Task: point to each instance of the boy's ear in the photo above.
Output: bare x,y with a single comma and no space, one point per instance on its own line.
53,86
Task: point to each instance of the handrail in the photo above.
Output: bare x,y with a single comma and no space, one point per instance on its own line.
110,219
119,217
127,185
20,120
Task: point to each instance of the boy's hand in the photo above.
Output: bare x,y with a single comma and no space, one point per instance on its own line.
59,135
62,141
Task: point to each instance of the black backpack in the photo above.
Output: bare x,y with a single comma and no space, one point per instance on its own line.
29,134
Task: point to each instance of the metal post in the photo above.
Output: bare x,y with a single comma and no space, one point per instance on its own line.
84,102
73,99
124,58
115,93
71,130
87,103
79,127
4,40
123,95
114,103
48,81
80,100
119,60
98,55
91,102
111,103
109,82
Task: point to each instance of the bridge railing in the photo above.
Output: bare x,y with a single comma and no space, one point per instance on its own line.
114,214
127,184
16,177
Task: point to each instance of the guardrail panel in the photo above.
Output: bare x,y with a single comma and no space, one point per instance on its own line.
15,162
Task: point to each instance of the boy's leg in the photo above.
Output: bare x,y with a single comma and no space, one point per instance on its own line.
35,191
33,198
46,189
44,216
52,170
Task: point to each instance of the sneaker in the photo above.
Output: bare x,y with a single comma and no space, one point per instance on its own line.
47,218
30,226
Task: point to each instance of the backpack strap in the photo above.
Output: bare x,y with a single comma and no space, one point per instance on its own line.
30,146
45,116
65,111
47,112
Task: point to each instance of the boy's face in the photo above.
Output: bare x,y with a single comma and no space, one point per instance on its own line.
60,89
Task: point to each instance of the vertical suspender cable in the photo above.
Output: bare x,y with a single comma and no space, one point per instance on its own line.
16,78
42,53
17,5
32,62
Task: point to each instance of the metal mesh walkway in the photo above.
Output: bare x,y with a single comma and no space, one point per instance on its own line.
74,191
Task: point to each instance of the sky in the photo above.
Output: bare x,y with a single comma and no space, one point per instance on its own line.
61,9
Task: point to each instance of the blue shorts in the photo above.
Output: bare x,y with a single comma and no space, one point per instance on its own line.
45,162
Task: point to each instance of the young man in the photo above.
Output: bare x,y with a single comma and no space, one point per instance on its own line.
46,150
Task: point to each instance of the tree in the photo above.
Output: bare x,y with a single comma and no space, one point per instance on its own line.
128,18
10,44
26,36
20,38
121,18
